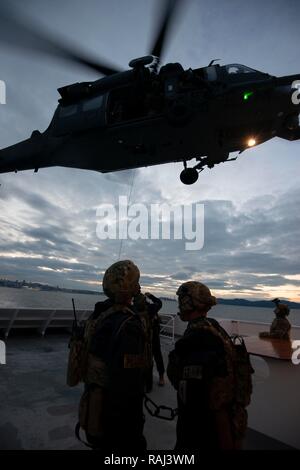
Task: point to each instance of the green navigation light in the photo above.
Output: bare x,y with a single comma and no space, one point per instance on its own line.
247,95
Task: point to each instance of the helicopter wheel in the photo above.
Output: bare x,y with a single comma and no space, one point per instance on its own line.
189,176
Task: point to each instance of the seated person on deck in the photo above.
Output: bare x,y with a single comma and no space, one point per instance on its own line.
281,327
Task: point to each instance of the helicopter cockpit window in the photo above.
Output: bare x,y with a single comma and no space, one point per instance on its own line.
232,69
92,103
211,73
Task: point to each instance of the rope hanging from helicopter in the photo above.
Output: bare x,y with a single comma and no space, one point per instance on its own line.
129,201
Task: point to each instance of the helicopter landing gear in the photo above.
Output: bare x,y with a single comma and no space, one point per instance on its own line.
189,175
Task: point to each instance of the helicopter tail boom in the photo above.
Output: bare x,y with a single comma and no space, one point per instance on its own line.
25,155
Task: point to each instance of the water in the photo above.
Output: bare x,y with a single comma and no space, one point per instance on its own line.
27,298
234,312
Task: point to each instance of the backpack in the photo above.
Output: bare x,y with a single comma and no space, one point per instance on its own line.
80,340
243,371
77,355
238,362
235,389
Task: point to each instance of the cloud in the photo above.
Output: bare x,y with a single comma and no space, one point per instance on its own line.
243,249
180,276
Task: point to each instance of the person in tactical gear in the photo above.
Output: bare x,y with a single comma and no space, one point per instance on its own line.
201,370
116,364
149,314
281,327
156,347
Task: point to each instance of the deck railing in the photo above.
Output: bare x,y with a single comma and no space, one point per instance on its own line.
42,319
167,327
171,325
38,318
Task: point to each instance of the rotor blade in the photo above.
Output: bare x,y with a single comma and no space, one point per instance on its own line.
14,32
160,39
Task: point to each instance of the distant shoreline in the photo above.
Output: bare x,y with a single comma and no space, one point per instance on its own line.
47,288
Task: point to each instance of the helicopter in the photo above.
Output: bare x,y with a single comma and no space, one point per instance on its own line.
153,114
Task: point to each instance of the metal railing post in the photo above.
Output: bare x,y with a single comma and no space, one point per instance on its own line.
10,325
48,321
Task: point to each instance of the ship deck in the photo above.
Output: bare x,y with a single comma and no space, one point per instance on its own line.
39,411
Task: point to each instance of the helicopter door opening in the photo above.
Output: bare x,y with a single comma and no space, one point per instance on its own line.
126,104
86,114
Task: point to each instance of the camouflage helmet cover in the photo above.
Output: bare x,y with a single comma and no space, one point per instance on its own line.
121,280
193,295
282,309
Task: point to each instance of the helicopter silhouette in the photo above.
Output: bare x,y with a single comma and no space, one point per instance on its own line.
153,114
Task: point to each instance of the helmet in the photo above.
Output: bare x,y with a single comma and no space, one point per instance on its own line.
192,295
121,280
282,310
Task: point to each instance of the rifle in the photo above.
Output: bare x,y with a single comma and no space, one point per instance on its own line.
75,323
77,328
77,351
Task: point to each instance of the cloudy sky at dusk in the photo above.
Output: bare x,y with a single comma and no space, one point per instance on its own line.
252,220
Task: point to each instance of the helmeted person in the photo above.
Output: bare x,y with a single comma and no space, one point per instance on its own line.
201,370
116,363
156,346
147,306
281,327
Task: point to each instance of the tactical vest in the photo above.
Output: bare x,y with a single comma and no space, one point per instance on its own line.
84,367
78,361
235,389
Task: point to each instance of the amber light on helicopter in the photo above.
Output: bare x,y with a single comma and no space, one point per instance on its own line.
251,142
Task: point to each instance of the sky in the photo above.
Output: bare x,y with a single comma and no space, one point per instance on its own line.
48,220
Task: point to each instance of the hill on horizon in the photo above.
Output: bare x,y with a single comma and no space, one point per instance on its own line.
220,301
